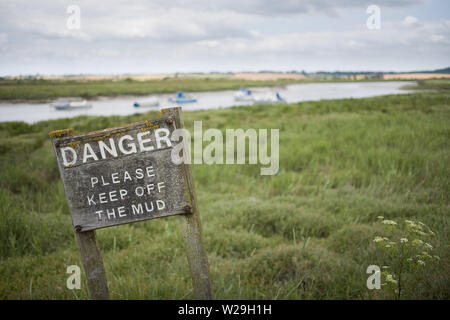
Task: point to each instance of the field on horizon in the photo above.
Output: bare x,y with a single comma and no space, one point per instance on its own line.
305,233
45,90
33,90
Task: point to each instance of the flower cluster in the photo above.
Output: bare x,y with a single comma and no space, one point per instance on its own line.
419,228
407,249
390,278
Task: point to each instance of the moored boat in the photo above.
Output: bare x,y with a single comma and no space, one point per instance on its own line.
71,105
243,94
268,99
182,98
152,102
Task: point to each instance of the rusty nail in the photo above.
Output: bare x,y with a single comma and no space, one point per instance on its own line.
169,121
78,228
187,209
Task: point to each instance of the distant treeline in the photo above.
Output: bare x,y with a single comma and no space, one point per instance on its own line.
355,73
334,74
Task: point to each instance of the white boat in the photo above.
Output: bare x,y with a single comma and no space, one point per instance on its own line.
71,105
243,94
182,98
151,102
268,98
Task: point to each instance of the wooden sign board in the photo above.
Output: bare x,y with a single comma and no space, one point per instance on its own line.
121,175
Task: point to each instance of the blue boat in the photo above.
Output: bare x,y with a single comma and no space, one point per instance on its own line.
151,102
243,94
268,98
181,98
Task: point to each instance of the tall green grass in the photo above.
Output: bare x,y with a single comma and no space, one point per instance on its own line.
430,84
305,233
44,90
50,89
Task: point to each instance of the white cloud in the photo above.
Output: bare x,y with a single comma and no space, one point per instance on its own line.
411,21
201,35
3,38
438,38
285,7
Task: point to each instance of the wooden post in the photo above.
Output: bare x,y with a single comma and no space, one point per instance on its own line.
87,243
93,265
191,228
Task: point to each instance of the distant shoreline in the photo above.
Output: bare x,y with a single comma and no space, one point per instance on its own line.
44,91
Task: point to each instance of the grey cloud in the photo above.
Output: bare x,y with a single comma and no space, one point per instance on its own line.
171,21
286,7
167,36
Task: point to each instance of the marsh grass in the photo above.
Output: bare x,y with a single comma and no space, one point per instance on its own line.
45,90
430,84
305,233
39,90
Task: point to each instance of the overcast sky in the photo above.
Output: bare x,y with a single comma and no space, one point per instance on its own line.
162,36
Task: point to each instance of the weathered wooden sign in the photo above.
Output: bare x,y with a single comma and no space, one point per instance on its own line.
123,175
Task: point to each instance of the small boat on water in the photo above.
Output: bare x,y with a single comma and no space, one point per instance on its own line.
152,102
243,94
268,98
182,98
71,105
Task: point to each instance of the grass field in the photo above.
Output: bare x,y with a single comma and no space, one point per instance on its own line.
45,90
42,90
305,233
436,84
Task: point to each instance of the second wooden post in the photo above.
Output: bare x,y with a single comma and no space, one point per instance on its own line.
191,227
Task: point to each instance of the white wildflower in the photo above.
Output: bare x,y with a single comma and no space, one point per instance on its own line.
411,224
390,222
390,278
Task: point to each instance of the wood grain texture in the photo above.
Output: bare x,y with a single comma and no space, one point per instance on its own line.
179,195
87,244
105,189
93,265
191,227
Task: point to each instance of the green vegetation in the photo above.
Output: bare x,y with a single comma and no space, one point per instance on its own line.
44,90
432,84
49,89
305,233
407,252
